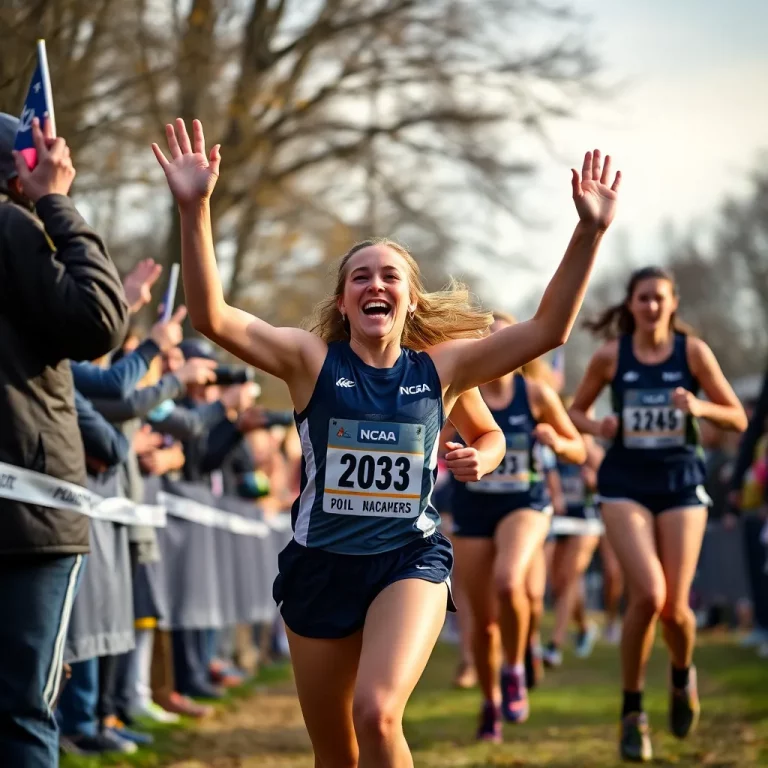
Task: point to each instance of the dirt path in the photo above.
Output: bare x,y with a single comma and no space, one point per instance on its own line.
265,729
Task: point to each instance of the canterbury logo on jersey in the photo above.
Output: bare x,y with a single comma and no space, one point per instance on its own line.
342,382
416,389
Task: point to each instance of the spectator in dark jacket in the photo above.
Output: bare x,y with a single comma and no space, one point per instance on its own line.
60,299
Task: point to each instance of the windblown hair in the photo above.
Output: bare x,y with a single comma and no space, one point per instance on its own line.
538,369
617,320
439,316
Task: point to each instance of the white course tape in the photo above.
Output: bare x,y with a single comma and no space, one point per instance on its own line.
31,487
576,526
35,488
191,510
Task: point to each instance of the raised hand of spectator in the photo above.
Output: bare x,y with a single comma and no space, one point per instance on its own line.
169,334
54,172
138,284
145,440
197,370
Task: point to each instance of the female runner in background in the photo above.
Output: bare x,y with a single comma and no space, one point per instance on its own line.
500,524
650,482
572,553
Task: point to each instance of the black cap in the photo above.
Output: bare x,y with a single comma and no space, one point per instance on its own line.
197,348
9,125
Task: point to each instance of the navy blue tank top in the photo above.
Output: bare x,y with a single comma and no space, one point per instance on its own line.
519,479
657,448
369,454
575,492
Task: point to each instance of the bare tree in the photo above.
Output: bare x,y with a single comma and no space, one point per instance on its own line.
392,116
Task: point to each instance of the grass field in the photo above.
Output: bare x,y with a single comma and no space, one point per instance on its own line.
573,721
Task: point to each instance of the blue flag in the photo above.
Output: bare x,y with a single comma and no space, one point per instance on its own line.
39,103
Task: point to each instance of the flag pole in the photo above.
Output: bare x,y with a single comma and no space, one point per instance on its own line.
42,58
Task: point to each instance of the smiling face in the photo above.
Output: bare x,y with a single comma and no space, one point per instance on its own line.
376,295
652,304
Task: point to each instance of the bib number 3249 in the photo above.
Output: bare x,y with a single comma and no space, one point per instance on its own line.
373,469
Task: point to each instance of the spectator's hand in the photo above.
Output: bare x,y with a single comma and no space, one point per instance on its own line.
145,440
163,460
463,462
609,427
197,370
54,172
251,418
687,402
138,284
96,466
169,334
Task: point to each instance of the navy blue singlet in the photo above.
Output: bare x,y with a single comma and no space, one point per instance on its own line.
657,448
518,482
577,497
369,454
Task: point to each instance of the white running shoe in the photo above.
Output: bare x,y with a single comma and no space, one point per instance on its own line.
155,712
612,633
585,641
553,657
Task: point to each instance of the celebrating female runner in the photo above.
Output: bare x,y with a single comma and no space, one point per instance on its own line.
362,585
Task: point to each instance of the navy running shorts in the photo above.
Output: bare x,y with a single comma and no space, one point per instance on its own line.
579,512
478,523
657,503
322,594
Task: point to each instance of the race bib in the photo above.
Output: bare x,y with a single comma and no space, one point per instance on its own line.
513,475
650,420
373,469
573,489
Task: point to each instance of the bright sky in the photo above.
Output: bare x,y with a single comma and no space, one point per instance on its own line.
685,129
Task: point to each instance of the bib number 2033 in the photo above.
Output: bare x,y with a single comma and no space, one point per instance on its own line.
373,469
366,471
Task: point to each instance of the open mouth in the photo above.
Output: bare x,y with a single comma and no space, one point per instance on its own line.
377,308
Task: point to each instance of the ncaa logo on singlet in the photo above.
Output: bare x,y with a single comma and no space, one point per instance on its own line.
376,433
342,382
417,389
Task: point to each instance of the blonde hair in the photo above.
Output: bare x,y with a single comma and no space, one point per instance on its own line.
537,369
438,317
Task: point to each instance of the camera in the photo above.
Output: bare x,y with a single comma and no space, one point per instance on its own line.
278,418
227,375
